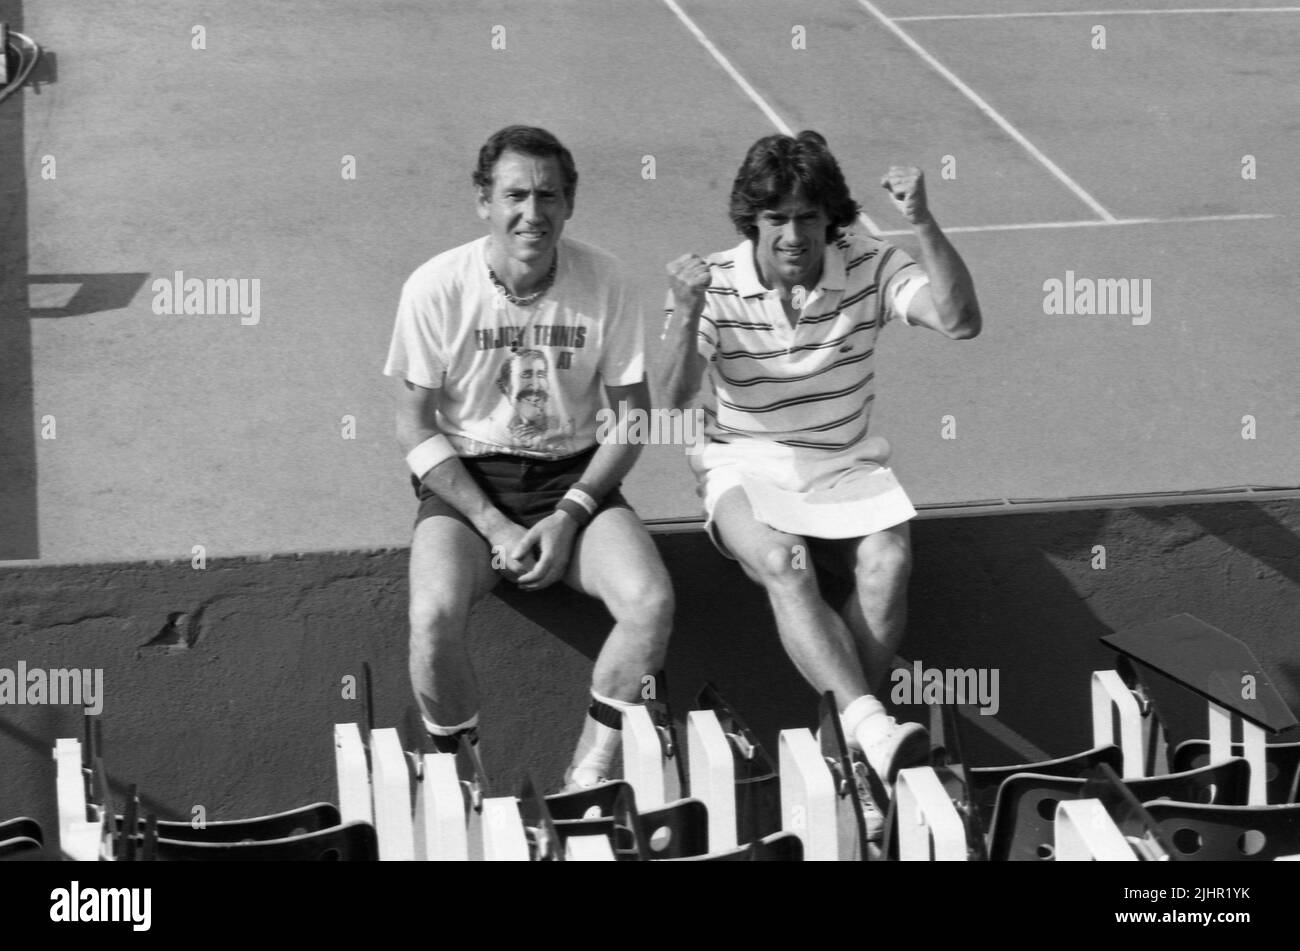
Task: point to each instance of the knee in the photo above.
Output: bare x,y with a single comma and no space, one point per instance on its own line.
783,567
884,561
644,603
436,624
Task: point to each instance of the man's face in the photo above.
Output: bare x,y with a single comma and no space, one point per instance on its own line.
528,389
526,208
791,242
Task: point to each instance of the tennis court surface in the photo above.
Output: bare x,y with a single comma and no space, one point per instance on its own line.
324,153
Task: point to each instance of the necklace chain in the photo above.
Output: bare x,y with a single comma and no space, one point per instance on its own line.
531,298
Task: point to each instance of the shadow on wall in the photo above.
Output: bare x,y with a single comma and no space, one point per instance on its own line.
1015,600
1247,527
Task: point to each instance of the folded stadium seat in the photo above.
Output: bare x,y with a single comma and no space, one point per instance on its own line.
1023,818
1209,833
984,781
21,849
731,772
778,847
352,842
596,802
21,839
281,825
21,828
1282,770
677,830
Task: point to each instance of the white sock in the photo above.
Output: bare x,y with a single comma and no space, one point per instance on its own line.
865,722
438,730
446,738
597,762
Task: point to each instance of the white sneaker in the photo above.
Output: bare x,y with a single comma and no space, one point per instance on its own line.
898,747
577,779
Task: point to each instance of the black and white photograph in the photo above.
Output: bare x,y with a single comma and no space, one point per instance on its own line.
650,431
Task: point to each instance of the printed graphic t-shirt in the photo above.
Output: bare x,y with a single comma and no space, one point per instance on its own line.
522,380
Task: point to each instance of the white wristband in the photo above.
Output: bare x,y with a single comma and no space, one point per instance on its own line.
576,494
431,452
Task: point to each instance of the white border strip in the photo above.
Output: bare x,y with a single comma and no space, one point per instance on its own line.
1091,13
989,111
743,83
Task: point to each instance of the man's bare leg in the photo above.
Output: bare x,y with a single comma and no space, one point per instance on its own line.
876,612
616,561
816,638
450,571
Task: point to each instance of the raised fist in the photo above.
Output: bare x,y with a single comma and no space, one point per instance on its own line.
906,186
689,278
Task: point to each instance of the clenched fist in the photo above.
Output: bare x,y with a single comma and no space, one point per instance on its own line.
906,186
689,278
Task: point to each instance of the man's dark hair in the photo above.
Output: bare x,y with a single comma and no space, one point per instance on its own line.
526,140
778,166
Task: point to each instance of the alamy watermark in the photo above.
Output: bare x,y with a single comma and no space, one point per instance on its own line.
78,686
1098,297
211,297
947,685
654,427
78,904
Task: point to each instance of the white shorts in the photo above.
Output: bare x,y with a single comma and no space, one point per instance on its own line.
720,467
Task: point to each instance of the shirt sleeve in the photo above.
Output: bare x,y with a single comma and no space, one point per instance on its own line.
622,360
417,352
900,277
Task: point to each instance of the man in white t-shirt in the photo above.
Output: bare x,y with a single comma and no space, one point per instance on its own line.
784,329
507,348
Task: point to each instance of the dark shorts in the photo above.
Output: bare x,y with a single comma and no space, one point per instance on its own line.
525,490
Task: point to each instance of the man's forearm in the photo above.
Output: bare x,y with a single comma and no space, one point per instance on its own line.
616,454
951,285
450,481
681,366
611,462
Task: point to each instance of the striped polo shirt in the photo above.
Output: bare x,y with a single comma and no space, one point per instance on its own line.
808,386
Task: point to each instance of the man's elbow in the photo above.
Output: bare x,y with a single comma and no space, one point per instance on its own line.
968,327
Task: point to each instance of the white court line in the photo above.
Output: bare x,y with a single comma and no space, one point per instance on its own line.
743,83
989,111
1092,13
1088,223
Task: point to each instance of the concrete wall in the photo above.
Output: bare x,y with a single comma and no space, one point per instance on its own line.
221,684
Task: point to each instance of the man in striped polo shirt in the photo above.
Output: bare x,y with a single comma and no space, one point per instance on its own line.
784,328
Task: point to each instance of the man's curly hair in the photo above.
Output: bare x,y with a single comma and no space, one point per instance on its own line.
778,166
